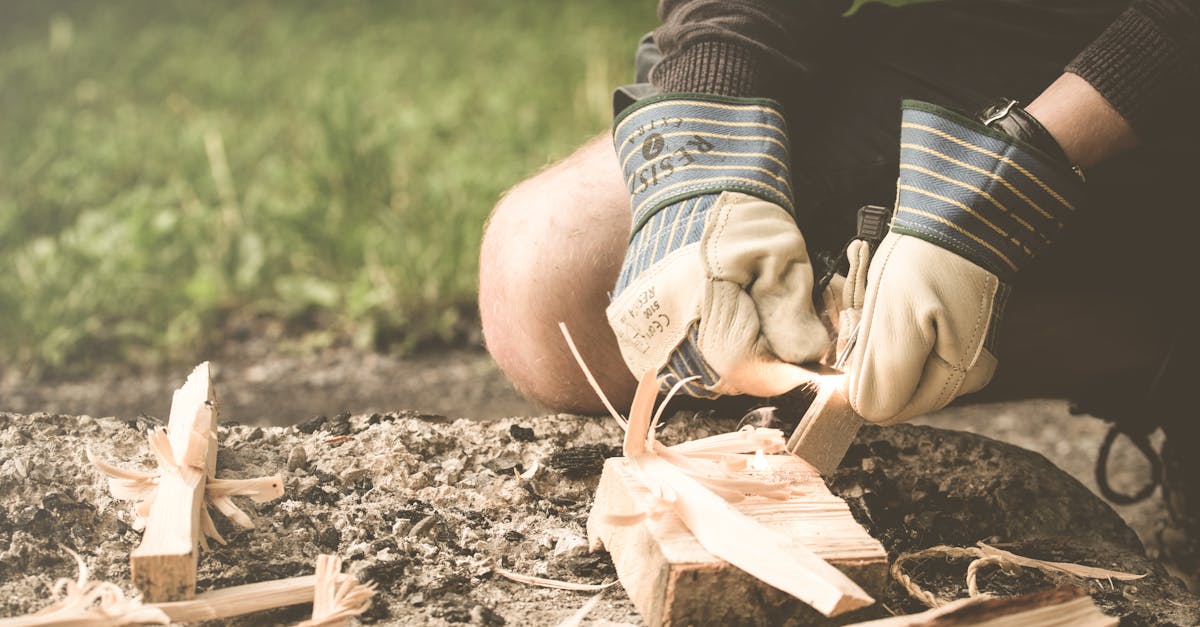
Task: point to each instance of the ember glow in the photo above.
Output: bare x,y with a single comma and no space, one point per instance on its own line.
760,461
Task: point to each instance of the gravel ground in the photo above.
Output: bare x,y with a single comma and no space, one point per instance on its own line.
263,386
429,507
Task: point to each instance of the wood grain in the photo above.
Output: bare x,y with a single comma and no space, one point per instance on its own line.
826,429
239,600
673,580
163,566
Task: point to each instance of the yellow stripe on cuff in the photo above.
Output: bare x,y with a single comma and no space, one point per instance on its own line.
999,157
991,175
1008,212
970,211
940,219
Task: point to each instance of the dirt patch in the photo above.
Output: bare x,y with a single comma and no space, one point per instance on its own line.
260,386
428,507
262,383
422,505
272,383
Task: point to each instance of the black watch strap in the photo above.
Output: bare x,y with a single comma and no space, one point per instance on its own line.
1007,115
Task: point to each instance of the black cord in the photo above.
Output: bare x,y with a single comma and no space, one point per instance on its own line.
1143,444
832,265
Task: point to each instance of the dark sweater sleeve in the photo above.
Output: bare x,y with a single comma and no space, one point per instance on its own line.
1147,65
739,47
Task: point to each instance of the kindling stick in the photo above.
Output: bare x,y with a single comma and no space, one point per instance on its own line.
164,565
171,502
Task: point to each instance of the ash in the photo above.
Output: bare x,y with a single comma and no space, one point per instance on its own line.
428,506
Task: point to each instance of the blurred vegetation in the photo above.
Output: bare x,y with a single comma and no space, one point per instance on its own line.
167,167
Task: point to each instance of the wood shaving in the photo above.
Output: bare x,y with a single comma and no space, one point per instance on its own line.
87,603
141,487
337,597
553,583
699,489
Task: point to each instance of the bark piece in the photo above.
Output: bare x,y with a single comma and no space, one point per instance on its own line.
672,579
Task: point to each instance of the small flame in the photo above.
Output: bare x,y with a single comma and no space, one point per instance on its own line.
760,461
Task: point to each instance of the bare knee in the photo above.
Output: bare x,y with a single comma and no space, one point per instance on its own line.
551,252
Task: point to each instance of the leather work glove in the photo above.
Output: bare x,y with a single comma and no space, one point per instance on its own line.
975,204
716,280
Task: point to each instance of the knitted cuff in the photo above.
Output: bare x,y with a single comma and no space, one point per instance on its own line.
720,68
1140,67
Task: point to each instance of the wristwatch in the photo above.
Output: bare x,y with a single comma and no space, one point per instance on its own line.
1007,116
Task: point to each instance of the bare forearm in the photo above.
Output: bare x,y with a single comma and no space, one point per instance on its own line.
1084,124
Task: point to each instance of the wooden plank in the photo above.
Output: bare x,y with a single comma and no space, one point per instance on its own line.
673,580
164,565
827,427
768,555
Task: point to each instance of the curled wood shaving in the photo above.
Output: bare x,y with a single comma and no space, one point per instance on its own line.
337,597
985,555
587,373
160,445
707,460
748,439
625,520
126,485
86,603
693,481
553,583
649,511
142,486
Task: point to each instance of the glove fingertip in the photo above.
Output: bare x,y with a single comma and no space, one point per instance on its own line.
878,403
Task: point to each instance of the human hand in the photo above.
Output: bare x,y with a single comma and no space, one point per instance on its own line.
974,206
716,281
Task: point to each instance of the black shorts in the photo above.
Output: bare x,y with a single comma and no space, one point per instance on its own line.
1131,237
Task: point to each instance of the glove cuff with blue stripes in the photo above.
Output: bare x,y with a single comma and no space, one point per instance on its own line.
677,146
979,192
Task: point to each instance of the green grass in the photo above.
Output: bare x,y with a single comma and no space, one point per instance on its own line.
167,167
